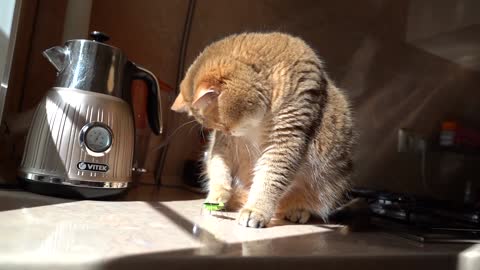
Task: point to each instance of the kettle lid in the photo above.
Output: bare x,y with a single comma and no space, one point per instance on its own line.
90,65
99,36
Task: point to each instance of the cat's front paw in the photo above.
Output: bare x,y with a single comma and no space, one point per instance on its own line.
252,218
218,195
298,216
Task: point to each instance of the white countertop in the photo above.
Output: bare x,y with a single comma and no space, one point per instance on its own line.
60,234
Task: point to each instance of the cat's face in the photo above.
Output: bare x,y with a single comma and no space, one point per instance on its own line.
220,100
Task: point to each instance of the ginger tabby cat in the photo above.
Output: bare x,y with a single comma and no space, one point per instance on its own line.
282,131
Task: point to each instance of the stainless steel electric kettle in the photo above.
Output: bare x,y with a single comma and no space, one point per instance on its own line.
81,140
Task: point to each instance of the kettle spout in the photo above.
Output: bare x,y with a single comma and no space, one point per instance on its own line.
57,56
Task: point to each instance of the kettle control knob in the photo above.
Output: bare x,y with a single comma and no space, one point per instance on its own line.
99,36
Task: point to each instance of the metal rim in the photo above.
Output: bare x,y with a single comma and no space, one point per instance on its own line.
117,50
70,182
83,133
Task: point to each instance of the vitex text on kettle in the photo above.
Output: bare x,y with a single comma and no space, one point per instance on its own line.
96,167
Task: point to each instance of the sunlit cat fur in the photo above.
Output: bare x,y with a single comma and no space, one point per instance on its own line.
282,131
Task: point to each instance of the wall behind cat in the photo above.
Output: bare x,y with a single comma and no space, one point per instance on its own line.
392,82
150,33
322,24
40,26
252,15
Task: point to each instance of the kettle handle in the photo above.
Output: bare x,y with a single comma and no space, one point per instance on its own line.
154,104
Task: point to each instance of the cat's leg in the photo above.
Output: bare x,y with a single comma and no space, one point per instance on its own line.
219,180
218,170
317,193
272,178
295,206
274,171
298,215
300,201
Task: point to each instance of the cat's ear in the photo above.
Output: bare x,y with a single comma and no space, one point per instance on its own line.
204,98
179,105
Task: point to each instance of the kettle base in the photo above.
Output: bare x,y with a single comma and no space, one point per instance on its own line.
72,192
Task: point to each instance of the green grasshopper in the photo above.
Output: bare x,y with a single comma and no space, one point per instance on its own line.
214,206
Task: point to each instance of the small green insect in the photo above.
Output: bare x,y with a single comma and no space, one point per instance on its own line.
214,206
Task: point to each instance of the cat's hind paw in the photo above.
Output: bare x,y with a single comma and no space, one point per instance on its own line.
251,218
298,216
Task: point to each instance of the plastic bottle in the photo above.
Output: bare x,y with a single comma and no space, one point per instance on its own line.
447,133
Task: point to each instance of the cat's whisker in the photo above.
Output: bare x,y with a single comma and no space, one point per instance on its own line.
256,148
170,136
202,133
248,151
193,127
184,124
236,150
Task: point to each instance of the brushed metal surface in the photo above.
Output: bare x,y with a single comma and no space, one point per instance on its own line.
78,183
92,66
100,68
53,144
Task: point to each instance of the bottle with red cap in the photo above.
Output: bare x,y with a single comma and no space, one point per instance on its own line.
448,133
